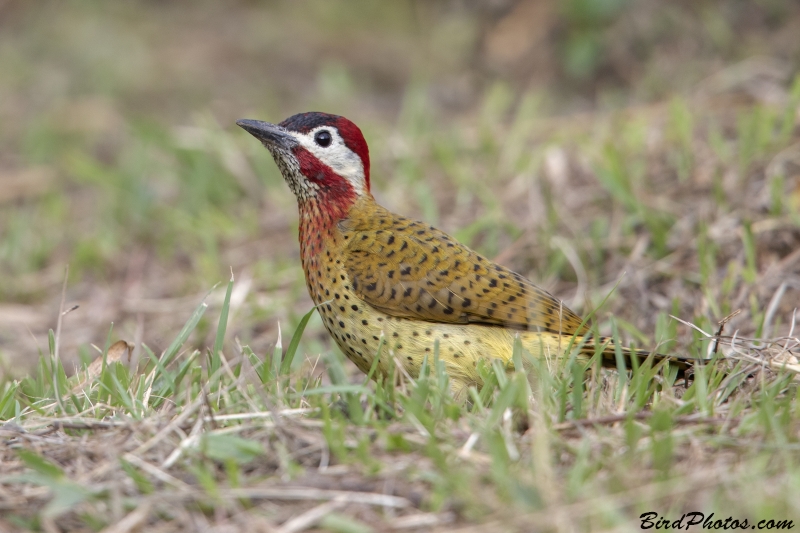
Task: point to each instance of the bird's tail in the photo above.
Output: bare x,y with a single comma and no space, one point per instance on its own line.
611,354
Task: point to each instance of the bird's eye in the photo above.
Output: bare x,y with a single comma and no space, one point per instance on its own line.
323,138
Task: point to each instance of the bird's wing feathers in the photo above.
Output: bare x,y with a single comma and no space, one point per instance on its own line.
409,269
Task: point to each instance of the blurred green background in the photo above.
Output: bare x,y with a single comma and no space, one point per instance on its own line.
536,131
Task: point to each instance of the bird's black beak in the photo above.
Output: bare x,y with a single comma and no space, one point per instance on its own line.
268,133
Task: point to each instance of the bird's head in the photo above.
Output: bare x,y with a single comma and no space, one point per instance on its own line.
321,156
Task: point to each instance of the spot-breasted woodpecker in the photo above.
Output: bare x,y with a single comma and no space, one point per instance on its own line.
383,281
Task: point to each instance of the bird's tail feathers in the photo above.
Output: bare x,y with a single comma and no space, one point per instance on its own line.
631,358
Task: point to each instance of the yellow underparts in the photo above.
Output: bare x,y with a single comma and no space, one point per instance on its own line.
407,342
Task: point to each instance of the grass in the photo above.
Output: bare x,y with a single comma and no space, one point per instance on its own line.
235,411
254,441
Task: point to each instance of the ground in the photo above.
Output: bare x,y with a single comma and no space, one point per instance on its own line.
640,160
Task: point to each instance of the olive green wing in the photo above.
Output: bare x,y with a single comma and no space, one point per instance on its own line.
409,269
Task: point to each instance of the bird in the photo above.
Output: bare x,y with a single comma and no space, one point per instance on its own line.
398,289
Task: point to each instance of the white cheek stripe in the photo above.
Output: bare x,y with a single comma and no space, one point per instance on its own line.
337,155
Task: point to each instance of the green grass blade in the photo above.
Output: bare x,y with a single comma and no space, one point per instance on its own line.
286,364
221,327
187,330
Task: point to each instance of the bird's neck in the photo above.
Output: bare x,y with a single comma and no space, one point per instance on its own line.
320,214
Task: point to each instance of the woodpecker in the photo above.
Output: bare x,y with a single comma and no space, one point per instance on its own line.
384,282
